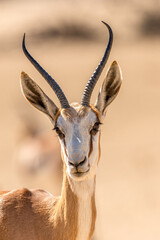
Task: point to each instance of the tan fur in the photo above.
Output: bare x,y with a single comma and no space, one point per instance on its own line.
36,215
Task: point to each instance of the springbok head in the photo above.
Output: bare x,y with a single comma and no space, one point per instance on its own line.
77,125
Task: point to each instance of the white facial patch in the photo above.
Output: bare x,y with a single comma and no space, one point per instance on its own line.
77,145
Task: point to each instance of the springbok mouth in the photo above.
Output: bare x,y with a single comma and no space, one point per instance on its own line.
79,174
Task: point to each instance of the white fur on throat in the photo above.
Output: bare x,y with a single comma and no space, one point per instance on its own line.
84,190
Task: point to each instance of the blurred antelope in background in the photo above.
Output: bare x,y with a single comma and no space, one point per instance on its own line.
37,157
36,214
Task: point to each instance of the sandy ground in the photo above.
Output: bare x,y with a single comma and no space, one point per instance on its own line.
128,178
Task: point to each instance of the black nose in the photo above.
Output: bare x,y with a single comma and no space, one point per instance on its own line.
77,163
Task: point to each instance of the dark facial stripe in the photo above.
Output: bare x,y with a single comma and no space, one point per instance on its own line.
91,137
65,148
95,110
90,146
99,147
57,115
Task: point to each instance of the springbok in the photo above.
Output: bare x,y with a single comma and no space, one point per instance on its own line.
36,214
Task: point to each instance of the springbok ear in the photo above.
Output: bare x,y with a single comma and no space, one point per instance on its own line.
37,97
110,88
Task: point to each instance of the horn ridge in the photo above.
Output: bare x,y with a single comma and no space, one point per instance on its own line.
95,76
58,91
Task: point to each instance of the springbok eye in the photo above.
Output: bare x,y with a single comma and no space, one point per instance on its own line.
95,128
59,132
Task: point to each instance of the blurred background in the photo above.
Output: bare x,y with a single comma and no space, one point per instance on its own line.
68,39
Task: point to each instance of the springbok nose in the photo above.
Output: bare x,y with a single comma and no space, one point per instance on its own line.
77,162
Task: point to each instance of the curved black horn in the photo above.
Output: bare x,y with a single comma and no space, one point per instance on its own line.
58,91
94,78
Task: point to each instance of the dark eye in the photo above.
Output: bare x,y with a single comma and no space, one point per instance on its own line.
95,128
59,132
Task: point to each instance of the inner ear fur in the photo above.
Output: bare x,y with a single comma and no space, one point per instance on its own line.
110,88
37,97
